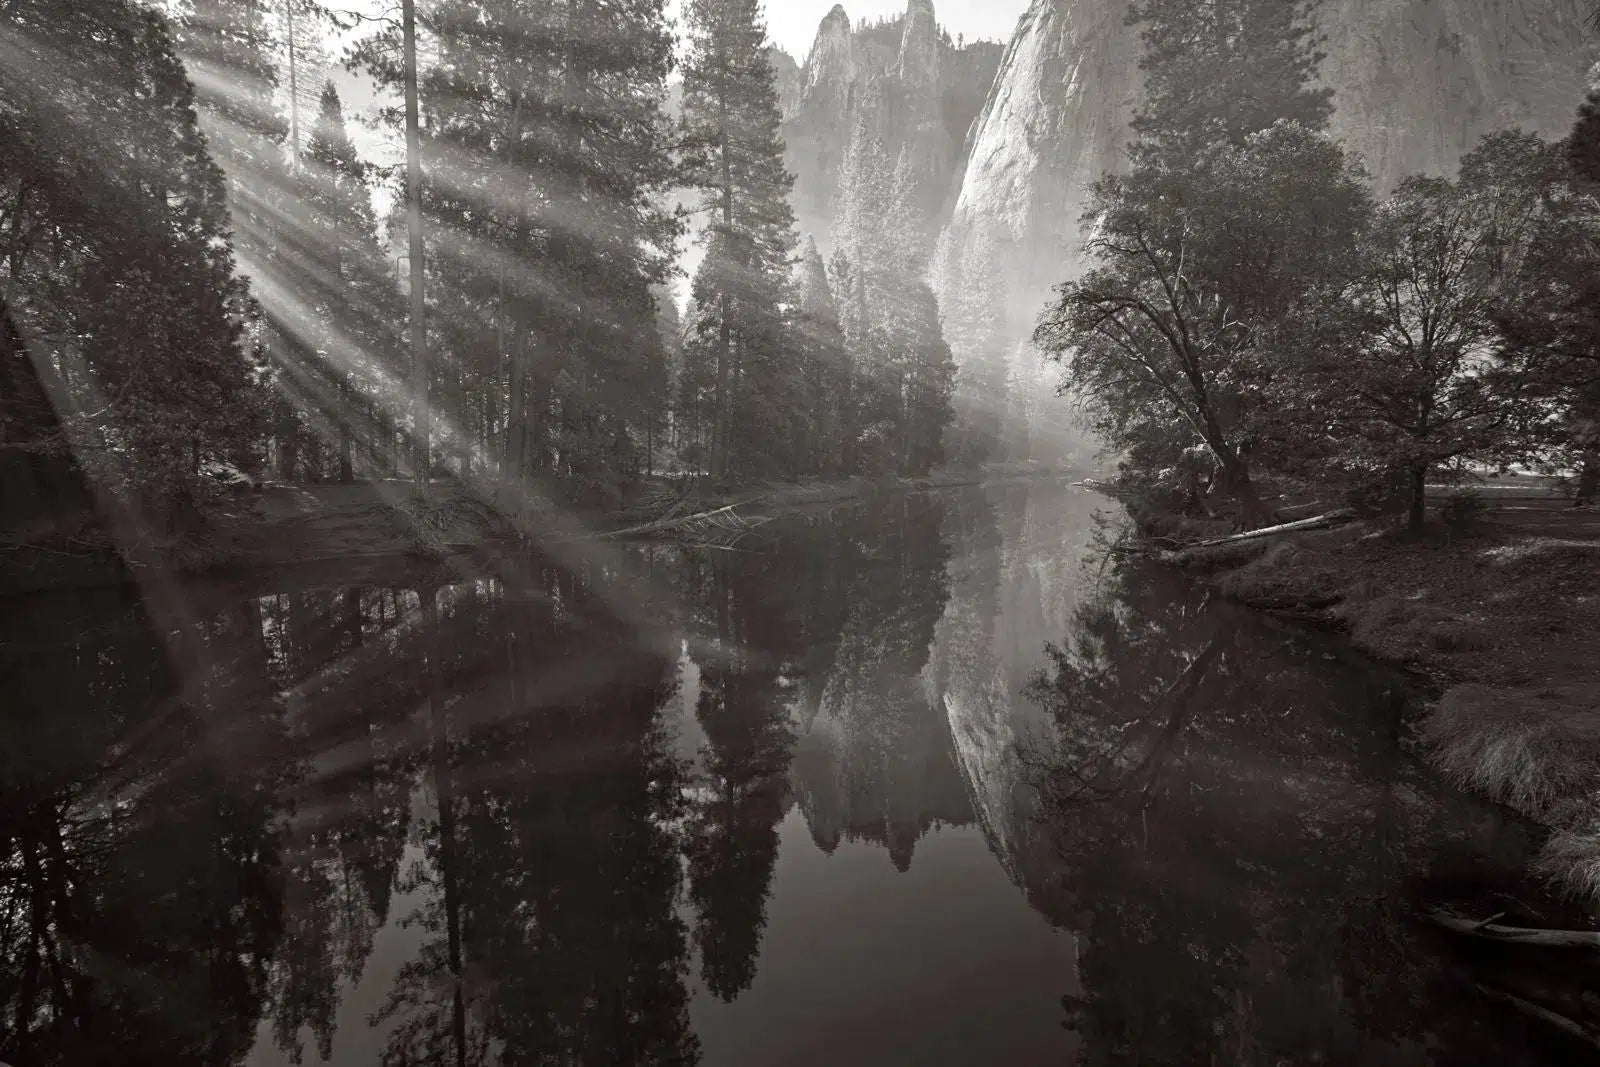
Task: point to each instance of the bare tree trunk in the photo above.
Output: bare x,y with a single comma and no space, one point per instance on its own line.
419,343
294,88
1417,512
1588,479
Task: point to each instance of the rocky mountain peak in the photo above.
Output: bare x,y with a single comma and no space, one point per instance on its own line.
919,46
831,60
904,82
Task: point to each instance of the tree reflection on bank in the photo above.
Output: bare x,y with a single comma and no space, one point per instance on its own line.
139,909
1234,832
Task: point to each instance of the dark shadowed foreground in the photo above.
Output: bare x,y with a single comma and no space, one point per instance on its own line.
768,802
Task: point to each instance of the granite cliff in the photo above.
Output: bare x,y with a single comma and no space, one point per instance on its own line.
1415,82
905,81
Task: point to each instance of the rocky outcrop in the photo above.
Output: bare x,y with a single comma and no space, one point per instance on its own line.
1416,83
906,82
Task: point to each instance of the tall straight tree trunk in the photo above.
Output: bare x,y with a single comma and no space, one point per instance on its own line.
725,403
722,423
294,88
1417,490
419,341
346,393
1588,479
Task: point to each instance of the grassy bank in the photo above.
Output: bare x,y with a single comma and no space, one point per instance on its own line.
1502,618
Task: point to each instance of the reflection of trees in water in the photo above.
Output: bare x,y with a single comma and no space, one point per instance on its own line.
138,909
1235,827
551,867
348,808
745,688
190,849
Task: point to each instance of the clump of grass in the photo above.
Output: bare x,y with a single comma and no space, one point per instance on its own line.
1571,860
1533,749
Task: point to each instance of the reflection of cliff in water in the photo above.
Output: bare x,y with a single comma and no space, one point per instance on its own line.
1014,576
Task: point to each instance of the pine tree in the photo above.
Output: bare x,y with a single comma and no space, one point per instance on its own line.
118,269
305,63
341,277
663,368
1217,71
974,324
544,206
820,343
900,398
735,158
1583,144
230,48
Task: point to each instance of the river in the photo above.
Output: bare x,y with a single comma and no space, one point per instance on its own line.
925,780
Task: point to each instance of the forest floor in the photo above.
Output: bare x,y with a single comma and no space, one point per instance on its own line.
1503,619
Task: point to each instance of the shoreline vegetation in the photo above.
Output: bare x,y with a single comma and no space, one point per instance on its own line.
1494,603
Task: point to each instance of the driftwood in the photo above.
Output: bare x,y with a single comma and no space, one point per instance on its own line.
1520,935
1331,518
1537,1011
717,521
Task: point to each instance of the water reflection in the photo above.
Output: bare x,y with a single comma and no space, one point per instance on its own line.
774,803
1234,837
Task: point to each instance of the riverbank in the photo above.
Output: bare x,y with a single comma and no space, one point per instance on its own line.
373,528
1501,616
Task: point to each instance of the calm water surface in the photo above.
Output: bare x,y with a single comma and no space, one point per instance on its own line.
924,781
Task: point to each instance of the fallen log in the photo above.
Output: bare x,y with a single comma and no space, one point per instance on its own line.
723,518
1521,935
1537,1011
1330,518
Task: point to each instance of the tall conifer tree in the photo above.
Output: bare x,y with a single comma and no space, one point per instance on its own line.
119,272
735,158
548,165
341,277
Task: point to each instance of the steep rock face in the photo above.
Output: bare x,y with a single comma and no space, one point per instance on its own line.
907,83
788,79
1416,83
1056,119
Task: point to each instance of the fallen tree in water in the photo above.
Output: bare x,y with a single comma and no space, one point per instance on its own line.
1521,935
1538,1011
716,522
